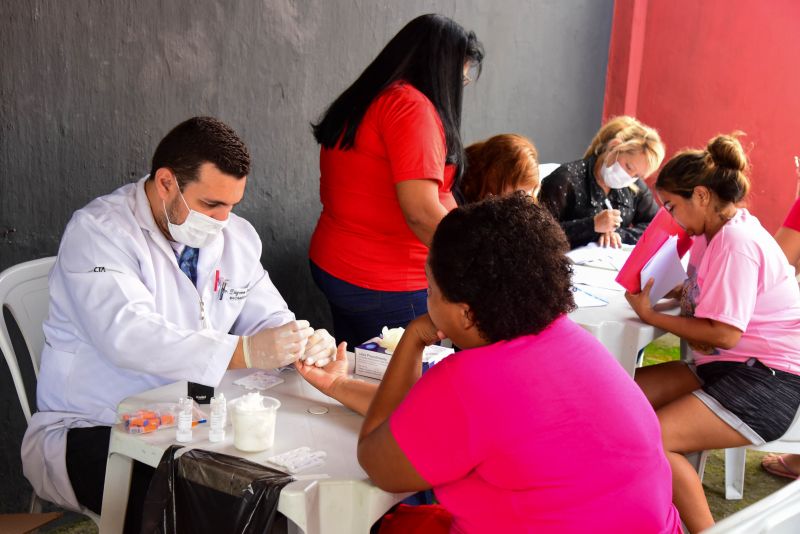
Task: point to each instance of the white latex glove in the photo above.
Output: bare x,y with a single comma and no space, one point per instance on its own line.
276,347
320,349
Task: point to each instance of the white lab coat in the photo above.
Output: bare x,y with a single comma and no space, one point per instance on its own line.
124,318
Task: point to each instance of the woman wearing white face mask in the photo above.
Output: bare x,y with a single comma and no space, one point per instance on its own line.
603,197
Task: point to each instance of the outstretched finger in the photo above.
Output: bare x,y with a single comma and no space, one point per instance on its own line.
323,362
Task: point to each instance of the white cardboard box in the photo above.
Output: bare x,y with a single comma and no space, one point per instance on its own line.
372,359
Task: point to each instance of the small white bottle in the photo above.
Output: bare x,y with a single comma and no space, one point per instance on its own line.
184,432
219,415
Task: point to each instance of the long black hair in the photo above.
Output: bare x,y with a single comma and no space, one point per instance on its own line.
429,53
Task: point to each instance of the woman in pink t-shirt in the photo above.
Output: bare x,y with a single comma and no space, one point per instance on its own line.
740,313
500,429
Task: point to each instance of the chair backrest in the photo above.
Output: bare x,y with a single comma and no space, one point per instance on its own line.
545,169
774,514
24,293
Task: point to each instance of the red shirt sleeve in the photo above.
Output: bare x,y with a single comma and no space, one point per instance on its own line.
793,219
413,135
432,428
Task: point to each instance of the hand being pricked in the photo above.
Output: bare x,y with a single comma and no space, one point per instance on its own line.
640,302
325,378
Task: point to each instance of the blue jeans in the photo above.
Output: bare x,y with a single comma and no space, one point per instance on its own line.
360,313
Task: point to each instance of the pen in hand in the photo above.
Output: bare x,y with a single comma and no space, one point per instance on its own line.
610,208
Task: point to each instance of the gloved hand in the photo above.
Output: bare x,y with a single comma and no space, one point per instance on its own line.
276,347
320,349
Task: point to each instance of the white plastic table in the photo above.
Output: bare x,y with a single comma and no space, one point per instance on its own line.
336,497
616,325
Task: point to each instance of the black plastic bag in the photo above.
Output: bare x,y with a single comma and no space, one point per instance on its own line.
205,491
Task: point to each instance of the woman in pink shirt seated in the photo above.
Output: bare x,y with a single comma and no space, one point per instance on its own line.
740,313
533,427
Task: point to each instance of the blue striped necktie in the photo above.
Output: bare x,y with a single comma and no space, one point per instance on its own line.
188,263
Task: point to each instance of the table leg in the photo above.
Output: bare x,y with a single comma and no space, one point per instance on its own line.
115,493
352,507
292,528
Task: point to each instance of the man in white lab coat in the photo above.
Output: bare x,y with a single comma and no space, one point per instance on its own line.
154,283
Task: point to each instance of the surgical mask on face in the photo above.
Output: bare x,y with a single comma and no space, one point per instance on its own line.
615,176
197,230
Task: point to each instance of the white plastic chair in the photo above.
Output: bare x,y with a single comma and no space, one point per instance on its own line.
545,169
778,513
24,293
735,458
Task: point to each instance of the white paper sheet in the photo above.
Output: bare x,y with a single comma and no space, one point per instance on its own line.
602,257
585,299
665,268
590,277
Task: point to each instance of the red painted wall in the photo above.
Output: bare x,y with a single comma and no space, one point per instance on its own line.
695,68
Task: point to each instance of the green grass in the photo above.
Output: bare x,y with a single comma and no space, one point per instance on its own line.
664,349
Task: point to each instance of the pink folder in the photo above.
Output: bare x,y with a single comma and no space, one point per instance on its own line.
658,231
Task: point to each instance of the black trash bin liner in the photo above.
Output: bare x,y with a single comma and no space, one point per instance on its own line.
203,491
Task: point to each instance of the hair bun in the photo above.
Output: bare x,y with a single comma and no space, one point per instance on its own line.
726,152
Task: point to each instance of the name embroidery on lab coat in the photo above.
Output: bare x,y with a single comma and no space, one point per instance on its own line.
237,294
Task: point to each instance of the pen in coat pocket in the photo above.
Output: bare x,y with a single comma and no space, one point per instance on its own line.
222,289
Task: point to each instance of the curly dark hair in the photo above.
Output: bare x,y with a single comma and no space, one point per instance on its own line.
505,258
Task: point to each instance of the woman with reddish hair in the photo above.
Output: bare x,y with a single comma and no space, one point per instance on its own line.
500,165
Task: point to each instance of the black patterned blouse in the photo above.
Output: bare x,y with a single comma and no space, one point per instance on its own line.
573,197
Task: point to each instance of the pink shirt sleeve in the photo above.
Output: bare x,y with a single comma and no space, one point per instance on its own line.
793,219
413,136
728,289
431,426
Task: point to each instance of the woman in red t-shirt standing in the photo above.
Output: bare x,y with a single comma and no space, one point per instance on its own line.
390,155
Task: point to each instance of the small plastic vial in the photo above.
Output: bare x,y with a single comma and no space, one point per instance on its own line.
219,414
184,432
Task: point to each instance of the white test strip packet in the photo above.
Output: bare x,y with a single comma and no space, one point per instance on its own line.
298,459
259,380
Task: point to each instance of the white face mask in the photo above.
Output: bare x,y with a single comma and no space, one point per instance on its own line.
615,176
197,230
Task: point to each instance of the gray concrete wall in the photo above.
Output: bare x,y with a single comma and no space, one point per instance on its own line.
88,89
